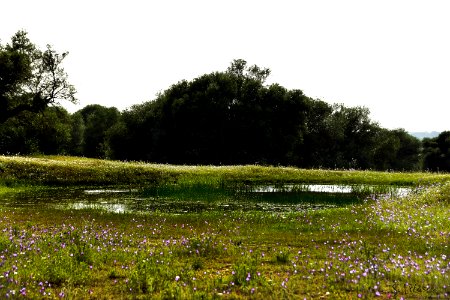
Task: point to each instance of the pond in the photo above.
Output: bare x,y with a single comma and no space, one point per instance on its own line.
281,198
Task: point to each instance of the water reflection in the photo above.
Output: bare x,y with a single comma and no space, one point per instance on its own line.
111,207
284,198
317,188
107,191
333,189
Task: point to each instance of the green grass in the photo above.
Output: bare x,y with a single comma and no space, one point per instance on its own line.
385,248
62,170
340,253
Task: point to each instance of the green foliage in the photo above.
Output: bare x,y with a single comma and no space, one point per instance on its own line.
77,134
282,256
231,117
90,129
29,133
244,271
4,243
64,269
30,79
151,275
218,118
398,150
437,152
221,118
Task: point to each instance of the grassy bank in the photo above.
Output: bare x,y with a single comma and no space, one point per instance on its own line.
63,171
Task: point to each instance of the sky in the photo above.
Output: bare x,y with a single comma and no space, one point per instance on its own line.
391,56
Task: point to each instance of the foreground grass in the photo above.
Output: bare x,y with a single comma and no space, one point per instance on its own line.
389,248
61,170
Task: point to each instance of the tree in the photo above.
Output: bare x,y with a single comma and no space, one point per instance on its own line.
351,137
318,142
219,118
231,117
408,155
31,79
437,152
51,129
239,69
47,132
137,134
77,134
93,127
397,150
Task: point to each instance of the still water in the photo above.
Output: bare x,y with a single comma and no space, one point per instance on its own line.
283,198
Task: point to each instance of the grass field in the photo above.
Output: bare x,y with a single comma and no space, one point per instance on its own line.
384,247
63,170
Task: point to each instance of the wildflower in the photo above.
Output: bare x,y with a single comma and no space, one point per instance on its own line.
177,278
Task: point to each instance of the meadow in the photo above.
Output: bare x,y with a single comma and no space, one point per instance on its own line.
384,246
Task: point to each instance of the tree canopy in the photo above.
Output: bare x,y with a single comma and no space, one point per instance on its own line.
229,117
30,78
437,152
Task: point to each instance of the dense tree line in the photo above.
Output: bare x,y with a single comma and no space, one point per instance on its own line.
229,117
436,152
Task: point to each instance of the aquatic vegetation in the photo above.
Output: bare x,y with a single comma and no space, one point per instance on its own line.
388,246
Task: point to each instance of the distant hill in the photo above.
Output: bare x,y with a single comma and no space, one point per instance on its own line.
422,135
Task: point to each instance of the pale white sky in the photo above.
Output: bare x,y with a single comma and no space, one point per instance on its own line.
392,56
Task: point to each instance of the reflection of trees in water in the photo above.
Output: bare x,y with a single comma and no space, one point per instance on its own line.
261,198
